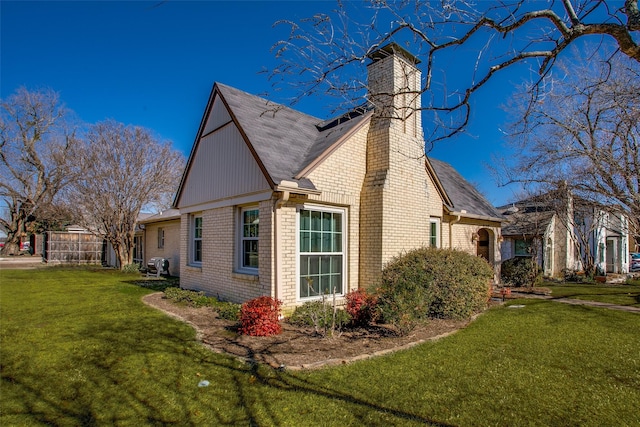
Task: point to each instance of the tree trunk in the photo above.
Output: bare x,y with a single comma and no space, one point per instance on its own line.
15,232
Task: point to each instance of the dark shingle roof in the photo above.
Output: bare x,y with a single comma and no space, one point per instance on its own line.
526,223
462,194
285,140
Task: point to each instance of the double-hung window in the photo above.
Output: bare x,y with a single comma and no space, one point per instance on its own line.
434,232
249,233
321,252
196,239
160,238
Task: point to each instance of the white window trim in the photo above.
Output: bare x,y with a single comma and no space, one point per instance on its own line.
345,251
437,222
240,238
192,239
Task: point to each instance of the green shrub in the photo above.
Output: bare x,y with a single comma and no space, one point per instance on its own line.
131,268
433,283
226,310
319,314
521,272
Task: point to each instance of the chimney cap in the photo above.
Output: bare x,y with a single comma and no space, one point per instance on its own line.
393,49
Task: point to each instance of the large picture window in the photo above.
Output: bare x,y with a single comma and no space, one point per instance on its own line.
250,227
196,239
321,234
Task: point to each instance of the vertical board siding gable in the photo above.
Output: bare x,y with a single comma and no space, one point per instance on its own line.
217,117
222,167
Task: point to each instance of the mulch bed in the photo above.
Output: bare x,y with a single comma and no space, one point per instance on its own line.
299,347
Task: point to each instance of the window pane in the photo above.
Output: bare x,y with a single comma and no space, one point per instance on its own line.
316,242
305,220
337,223
314,264
326,242
304,290
337,242
250,254
336,263
325,265
327,221
336,282
197,250
316,223
309,286
325,285
197,227
305,241
251,221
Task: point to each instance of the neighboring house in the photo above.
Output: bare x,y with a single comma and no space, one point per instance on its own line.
562,231
276,202
159,238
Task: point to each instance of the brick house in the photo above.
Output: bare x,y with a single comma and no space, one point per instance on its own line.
276,202
159,237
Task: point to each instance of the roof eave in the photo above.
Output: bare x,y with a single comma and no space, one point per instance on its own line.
293,188
476,216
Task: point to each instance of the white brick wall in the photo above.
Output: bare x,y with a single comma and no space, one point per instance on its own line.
378,177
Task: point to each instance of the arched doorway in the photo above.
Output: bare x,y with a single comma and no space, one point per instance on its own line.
483,245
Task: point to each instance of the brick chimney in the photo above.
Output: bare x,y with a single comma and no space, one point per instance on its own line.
394,194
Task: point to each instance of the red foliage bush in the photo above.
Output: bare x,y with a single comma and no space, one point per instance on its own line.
259,317
361,306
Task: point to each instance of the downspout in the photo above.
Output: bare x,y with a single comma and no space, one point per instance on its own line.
280,201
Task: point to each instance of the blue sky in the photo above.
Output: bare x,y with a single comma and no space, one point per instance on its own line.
153,64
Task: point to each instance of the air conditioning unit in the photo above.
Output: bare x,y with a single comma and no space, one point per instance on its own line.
157,266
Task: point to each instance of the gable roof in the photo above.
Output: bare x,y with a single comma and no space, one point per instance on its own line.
288,144
284,140
527,223
460,196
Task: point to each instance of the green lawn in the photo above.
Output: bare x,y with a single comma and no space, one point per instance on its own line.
628,294
79,348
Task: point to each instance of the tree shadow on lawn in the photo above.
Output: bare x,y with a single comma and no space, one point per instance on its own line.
147,370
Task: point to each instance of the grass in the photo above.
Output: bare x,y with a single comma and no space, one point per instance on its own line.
79,348
627,294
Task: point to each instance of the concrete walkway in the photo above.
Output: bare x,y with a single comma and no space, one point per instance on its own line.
22,262
579,302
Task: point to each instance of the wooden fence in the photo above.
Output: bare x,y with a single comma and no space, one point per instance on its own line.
73,248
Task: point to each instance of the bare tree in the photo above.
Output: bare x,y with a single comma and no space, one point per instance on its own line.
584,131
36,142
127,170
462,45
